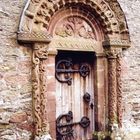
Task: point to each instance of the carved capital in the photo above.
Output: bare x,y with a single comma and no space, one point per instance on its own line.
113,52
40,50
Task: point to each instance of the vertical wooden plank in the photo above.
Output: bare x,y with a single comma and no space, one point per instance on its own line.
78,102
58,99
81,105
91,110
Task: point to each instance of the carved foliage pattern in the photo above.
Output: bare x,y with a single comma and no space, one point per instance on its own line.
43,85
36,93
39,88
75,27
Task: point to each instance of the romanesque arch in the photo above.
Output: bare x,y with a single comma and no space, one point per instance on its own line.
106,28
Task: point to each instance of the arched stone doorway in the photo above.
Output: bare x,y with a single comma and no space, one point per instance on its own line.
67,27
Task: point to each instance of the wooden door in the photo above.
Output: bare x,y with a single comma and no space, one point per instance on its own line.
74,94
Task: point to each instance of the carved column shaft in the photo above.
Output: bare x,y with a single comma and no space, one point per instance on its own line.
40,54
114,86
36,93
43,97
112,97
119,90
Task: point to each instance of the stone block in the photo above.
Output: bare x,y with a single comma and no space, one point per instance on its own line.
18,117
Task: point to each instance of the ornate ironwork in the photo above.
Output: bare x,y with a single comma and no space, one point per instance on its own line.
64,69
87,97
65,130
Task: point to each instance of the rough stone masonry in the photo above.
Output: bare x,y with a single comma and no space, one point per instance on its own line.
16,121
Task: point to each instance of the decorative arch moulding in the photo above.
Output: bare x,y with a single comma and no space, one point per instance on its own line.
37,15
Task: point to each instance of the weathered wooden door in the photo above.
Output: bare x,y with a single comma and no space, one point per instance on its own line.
74,95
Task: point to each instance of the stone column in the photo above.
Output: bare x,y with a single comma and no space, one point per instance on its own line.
112,92
114,86
119,88
113,50
40,55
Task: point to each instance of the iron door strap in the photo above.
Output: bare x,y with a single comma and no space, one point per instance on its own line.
68,118
65,68
66,129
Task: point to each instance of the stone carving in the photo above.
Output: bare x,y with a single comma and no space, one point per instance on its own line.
75,27
114,5
75,44
119,90
112,95
105,13
36,93
47,9
43,107
34,37
112,52
114,85
40,54
117,42
41,51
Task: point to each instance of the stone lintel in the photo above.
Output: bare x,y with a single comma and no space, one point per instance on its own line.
33,37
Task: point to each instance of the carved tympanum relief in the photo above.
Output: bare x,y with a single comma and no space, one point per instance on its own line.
75,27
75,33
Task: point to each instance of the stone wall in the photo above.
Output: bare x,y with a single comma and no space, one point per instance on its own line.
15,74
131,70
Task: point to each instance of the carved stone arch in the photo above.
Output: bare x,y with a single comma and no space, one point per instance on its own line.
104,20
37,15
